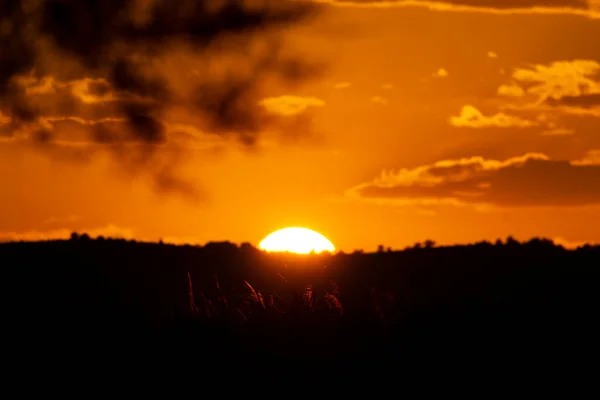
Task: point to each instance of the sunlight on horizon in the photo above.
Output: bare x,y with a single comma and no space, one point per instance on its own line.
296,240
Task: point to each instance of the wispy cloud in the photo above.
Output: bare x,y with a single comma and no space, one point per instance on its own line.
499,7
440,73
560,79
471,117
570,87
289,105
591,158
512,90
379,100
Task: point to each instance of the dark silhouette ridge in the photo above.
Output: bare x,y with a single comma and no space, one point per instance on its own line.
505,305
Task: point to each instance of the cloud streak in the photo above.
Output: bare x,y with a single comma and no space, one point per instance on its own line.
583,8
290,105
512,90
471,117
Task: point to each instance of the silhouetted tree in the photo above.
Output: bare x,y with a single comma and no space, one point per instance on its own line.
511,241
246,246
429,244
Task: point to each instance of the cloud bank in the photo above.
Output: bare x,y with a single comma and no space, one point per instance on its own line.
530,180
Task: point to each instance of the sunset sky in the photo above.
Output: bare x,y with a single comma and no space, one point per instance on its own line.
457,121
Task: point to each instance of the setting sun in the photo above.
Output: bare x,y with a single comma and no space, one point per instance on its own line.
296,240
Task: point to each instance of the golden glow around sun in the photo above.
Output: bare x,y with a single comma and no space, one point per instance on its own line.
296,240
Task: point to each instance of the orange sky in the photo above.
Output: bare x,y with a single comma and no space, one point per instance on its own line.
431,120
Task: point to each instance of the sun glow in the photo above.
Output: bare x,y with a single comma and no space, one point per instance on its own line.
296,240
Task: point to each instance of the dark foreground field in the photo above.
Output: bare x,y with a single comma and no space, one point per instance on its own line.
226,310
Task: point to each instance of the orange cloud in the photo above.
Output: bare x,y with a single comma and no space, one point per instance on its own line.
379,100
4,119
290,105
45,85
570,87
556,107
86,90
591,158
583,106
560,79
512,90
530,180
471,117
587,9
49,120
92,91
570,244
440,73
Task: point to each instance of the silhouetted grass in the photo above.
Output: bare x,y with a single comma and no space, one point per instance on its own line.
221,304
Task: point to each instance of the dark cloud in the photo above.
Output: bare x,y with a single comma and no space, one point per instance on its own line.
529,181
5,132
100,88
133,60
583,101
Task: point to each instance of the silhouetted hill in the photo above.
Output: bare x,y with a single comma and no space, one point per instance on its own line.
509,304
